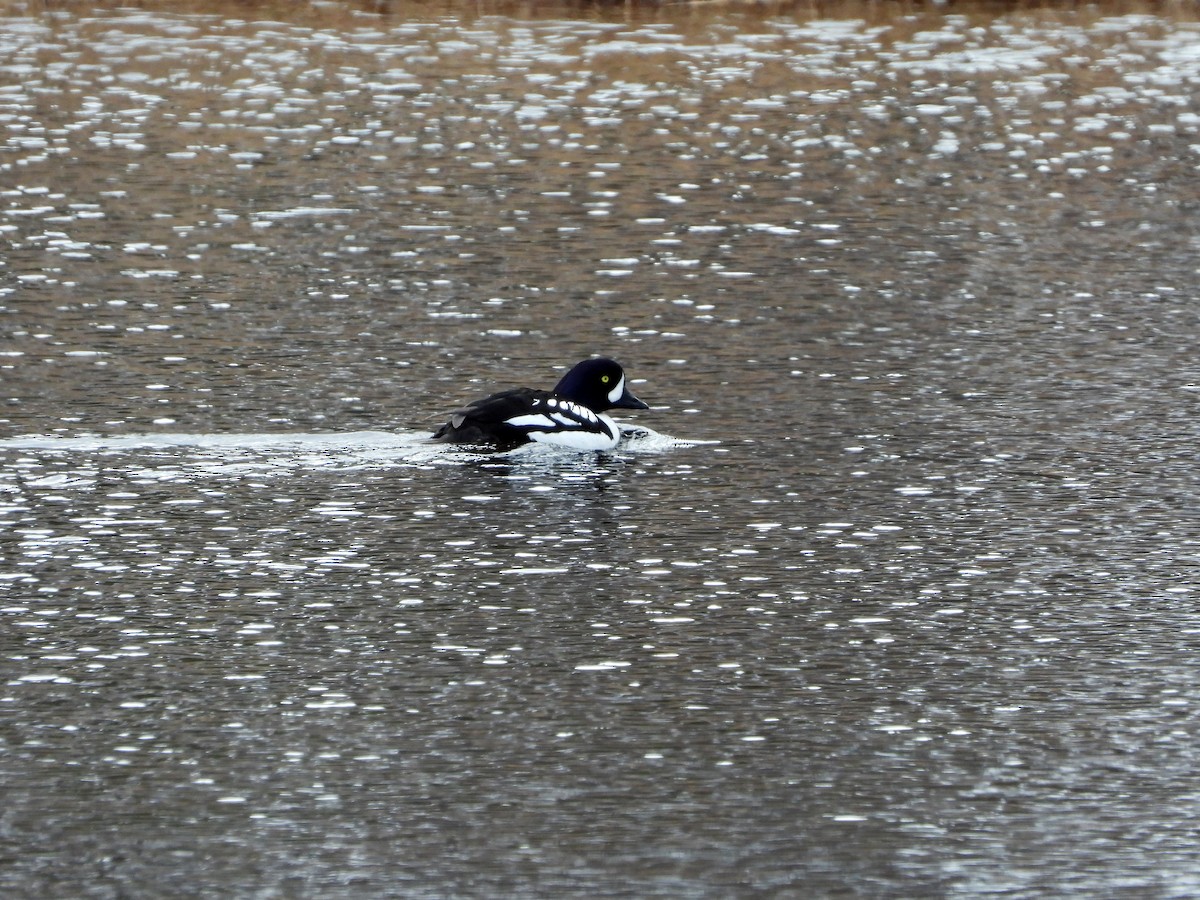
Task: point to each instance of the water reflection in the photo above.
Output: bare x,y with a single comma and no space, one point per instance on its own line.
895,597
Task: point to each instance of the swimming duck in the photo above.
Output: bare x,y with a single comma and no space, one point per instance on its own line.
571,415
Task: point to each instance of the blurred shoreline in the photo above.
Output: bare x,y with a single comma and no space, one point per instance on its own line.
744,11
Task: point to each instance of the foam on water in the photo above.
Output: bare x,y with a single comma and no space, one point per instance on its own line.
169,456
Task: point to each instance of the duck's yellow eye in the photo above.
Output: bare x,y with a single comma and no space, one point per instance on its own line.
604,379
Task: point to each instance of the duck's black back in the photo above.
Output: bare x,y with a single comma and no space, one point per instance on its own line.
484,421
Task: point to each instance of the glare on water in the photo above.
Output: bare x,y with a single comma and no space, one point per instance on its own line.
890,592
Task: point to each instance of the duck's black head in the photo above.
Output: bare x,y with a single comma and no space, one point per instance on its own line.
598,384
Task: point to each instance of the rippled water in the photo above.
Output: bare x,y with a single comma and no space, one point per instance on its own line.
892,592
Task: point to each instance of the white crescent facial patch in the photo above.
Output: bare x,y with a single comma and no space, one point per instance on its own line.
615,394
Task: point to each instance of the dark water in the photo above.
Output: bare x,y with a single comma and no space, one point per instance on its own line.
895,598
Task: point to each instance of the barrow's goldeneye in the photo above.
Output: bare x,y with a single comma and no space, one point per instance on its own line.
571,415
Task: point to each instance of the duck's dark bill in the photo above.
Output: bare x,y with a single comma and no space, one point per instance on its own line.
628,401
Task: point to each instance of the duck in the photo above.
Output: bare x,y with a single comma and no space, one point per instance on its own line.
570,416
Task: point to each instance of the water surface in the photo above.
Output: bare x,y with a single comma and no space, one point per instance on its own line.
893,597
